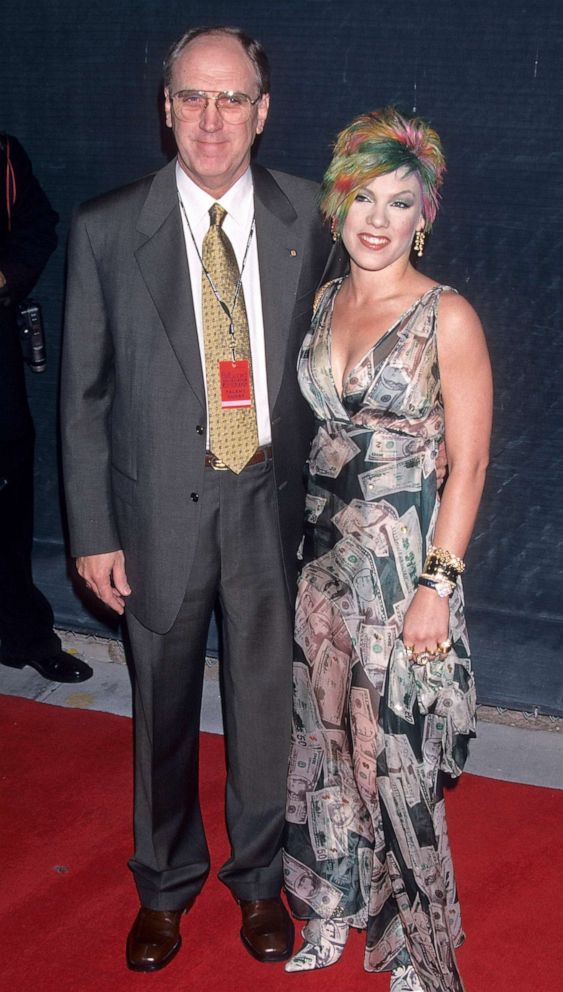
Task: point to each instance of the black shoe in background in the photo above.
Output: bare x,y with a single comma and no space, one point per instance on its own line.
58,667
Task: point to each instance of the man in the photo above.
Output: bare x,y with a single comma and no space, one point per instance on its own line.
27,239
179,362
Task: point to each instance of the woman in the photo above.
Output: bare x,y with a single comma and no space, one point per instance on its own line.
383,692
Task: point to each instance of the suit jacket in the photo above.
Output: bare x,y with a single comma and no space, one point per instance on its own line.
133,398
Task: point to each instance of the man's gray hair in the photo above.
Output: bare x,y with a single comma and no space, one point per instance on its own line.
251,46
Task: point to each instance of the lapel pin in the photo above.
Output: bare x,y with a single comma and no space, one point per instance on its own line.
292,252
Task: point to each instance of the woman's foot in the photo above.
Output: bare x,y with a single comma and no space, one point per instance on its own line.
405,980
324,942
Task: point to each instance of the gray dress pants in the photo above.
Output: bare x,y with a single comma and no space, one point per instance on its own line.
238,568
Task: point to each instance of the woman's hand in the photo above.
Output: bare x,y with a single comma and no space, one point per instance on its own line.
426,627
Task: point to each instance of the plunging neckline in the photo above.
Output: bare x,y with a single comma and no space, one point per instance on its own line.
342,395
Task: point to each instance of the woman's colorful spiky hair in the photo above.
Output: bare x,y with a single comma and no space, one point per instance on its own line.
373,145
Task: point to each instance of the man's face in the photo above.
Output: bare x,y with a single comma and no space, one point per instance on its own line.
214,153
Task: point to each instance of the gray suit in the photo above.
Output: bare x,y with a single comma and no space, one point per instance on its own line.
134,429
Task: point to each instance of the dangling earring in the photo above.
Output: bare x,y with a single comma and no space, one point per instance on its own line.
418,245
333,229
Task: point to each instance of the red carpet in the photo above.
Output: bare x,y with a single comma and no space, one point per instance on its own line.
67,898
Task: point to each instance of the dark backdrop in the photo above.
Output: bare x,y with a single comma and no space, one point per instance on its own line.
79,86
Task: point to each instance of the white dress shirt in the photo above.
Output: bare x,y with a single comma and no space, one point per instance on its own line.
238,201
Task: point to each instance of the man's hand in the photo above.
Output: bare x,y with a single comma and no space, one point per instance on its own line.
105,576
441,465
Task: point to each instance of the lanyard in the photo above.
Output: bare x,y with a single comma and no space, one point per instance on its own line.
229,310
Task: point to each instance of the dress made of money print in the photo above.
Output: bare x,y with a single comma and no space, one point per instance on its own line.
373,733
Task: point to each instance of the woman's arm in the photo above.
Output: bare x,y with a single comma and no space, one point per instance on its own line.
466,381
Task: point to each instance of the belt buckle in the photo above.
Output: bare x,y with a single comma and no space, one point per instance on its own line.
216,464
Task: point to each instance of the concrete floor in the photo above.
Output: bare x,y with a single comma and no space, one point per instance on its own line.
508,746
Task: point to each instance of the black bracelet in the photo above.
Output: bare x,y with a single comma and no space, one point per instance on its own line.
434,567
443,588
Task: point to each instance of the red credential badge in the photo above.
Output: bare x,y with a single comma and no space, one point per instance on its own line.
234,378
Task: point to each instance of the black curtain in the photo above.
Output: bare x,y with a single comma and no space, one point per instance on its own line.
80,87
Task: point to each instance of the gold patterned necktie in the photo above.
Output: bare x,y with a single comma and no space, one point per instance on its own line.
233,432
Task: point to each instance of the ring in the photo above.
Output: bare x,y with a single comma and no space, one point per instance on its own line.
444,646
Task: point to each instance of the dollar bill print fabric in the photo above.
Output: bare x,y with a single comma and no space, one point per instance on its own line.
373,734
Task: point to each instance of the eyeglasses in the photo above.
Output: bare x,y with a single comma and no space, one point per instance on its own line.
234,108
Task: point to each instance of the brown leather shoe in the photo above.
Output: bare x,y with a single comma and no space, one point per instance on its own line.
154,938
267,931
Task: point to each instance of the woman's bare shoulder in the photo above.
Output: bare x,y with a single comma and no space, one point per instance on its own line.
456,314
454,305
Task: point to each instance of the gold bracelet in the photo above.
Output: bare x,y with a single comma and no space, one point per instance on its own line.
433,567
445,558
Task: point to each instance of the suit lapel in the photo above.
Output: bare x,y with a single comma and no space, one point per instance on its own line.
161,257
279,260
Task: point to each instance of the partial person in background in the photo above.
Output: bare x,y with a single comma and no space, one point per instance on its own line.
27,239
383,690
